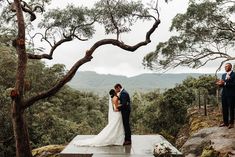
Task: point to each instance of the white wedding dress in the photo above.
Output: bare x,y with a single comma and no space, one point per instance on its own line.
112,134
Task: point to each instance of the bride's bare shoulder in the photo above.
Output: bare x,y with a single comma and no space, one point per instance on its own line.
115,99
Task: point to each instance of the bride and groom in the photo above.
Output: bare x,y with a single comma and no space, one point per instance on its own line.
117,131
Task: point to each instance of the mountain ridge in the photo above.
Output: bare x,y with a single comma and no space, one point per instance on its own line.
92,81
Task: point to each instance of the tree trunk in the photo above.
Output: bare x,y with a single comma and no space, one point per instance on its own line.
19,124
199,99
205,103
217,96
20,128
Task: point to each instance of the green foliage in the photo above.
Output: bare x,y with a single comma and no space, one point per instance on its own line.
164,112
8,66
7,76
8,27
58,119
44,118
40,77
205,33
54,120
71,20
6,132
207,82
69,113
118,16
204,88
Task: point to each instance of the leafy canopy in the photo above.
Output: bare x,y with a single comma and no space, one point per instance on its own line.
206,32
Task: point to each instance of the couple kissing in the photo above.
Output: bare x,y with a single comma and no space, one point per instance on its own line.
117,131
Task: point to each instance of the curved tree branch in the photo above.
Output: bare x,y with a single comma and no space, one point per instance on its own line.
57,44
87,58
49,56
26,8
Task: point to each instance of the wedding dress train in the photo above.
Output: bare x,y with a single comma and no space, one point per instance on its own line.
112,134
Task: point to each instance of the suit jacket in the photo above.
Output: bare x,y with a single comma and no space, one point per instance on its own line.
229,86
124,100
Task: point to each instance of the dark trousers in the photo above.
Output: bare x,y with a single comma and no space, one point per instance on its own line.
125,119
228,104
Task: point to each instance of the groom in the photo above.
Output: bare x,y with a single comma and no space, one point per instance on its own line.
125,109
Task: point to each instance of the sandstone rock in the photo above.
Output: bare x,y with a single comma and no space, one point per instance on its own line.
48,151
221,139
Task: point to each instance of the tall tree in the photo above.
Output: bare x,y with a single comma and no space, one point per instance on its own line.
57,27
206,32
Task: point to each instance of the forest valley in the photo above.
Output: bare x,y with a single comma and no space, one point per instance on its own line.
58,119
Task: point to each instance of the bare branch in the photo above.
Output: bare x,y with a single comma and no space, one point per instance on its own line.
26,8
57,44
60,84
45,56
122,45
87,58
226,60
73,33
156,9
49,56
147,16
79,38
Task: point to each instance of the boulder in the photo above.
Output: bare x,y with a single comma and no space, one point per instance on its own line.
48,151
221,139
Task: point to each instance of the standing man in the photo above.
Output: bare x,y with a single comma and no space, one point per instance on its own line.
228,96
125,108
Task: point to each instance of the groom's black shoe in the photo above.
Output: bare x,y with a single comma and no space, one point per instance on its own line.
127,143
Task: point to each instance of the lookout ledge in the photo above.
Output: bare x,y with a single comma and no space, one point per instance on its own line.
142,146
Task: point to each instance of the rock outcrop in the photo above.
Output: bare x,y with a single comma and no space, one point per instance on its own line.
202,137
219,138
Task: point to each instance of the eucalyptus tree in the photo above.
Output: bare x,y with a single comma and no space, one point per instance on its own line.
58,26
206,32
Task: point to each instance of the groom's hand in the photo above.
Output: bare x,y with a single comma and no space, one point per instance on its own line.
220,82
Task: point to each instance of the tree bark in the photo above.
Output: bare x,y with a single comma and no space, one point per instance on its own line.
19,124
20,128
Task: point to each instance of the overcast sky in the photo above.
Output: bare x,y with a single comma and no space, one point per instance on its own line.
113,60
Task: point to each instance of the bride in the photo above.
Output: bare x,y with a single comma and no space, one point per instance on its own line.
113,133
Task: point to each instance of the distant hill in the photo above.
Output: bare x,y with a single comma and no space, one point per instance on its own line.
102,83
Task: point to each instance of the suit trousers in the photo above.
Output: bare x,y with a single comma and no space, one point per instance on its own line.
228,103
126,123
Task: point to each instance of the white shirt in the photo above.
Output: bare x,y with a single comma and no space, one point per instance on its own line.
228,75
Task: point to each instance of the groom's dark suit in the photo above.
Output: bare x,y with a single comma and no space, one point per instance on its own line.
125,109
228,98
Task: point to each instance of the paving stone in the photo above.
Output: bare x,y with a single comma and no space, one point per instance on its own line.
142,146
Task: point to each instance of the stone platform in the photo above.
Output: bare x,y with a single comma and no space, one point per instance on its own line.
142,146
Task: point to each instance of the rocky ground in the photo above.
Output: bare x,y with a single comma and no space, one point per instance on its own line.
202,136
48,151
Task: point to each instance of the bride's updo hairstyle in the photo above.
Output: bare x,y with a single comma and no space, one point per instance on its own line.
112,93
